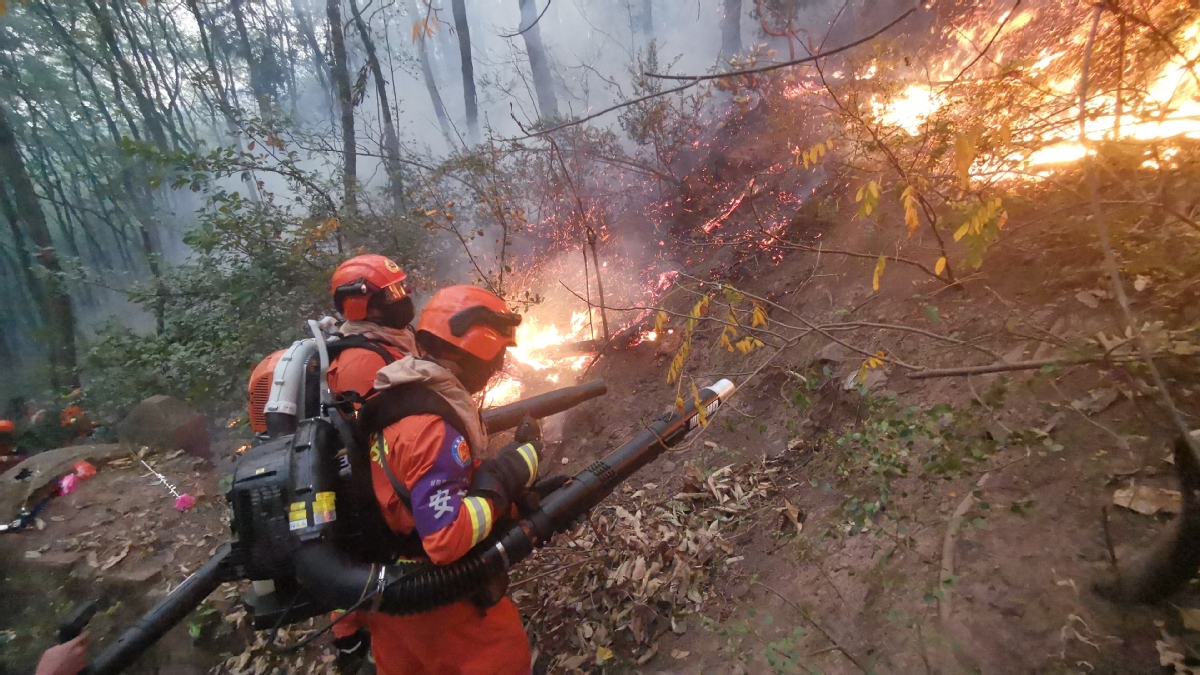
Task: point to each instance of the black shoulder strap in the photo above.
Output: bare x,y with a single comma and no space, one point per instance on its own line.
391,405
340,345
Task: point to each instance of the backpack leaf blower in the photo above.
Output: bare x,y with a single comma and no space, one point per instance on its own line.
286,529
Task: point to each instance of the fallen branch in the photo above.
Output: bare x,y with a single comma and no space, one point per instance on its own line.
952,528
1007,367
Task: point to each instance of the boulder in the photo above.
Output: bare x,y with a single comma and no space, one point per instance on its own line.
29,477
167,423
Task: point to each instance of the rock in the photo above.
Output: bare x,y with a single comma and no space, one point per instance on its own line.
43,469
138,576
58,561
875,379
832,354
167,423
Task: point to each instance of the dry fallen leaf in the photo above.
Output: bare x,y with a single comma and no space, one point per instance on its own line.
676,654
1148,500
792,513
603,654
648,655
116,558
1190,617
1088,298
1170,657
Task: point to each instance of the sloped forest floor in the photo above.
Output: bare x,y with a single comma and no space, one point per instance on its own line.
824,521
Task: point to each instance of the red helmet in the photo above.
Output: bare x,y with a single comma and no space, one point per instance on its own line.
358,279
470,318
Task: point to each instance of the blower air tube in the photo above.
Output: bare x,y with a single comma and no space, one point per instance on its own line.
333,579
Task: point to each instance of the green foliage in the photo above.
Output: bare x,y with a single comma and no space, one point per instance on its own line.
892,442
784,655
261,269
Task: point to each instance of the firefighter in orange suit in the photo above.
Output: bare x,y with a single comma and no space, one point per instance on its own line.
369,291
427,480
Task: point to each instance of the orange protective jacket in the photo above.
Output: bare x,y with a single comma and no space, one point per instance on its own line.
434,461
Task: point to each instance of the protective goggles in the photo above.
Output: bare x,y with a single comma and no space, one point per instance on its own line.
391,293
504,323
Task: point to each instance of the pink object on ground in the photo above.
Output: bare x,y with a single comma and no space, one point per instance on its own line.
185,502
68,484
84,469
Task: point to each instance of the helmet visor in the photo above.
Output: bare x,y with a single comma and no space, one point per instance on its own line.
394,292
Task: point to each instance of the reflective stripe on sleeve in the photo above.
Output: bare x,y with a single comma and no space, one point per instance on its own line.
481,517
529,454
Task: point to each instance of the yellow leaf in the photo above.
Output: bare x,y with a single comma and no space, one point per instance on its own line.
748,344
867,208
603,654
1005,135
679,402
964,156
859,196
1003,219
962,231
416,32
725,340
911,219
874,188
333,223
660,320
878,272
941,265
759,318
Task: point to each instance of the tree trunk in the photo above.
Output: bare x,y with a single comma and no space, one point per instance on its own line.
55,302
435,96
145,106
731,30
318,57
391,142
543,81
341,78
468,69
261,97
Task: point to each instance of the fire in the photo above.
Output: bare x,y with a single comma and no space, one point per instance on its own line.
537,343
502,390
1166,105
911,108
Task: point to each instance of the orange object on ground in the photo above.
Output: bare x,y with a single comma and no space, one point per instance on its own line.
83,469
7,427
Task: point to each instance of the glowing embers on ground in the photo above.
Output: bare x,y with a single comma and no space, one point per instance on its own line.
736,202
